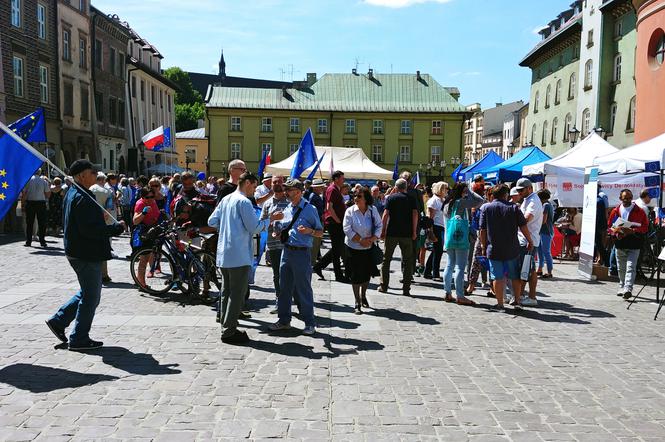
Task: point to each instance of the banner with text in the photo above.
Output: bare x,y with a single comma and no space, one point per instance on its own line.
587,242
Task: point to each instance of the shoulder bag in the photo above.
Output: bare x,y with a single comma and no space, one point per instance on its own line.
284,234
377,253
457,230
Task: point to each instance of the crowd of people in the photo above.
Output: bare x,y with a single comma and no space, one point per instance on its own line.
501,234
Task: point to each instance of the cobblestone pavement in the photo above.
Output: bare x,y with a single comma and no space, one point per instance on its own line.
578,367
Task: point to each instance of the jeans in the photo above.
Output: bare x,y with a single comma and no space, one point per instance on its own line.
613,260
83,304
433,265
336,252
406,247
457,261
627,262
35,209
275,261
295,275
234,294
545,252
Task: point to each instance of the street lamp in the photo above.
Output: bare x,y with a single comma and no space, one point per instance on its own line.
600,132
573,135
223,170
188,152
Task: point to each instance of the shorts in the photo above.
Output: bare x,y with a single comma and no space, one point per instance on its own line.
523,253
504,269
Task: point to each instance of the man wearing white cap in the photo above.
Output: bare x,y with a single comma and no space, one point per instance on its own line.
532,209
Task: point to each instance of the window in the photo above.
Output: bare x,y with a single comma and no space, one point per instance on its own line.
112,61
589,40
99,52
405,127
66,45
85,104
99,107
350,127
169,101
555,129
405,154
294,125
544,139
659,50
377,153
235,124
631,115
572,85
322,126
82,5
548,93
377,127
618,28
586,122
536,102
17,64
265,148
588,75
616,76
576,52
235,151
566,127
293,148
83,62
113,111
68,93
613,117
436,127
121,114
161,99
152,94
534,129
350,146
121,65
557,93
16,13
435,152
133,86
142,90
266,124
41,21
43,84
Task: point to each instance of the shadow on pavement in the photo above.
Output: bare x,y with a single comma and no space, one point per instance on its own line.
135,363
335,345
396,315
40,379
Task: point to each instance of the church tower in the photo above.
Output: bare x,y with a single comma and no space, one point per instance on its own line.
222,67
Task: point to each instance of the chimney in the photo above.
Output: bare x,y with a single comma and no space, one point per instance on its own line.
354,71
285,94
370,73
311,78
418,77
499,104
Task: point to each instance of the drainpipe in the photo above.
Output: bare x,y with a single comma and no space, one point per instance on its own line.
93,119
131,113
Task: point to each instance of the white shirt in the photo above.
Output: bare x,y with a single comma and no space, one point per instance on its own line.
645,207
532,206
625,211
260,192
436,204
357,222
36,188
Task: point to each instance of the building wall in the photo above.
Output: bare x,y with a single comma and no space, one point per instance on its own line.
650,75
200,146
251,138
587,97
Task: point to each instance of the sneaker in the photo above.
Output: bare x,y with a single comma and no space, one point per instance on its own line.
245,314
619,294
497,308
529,302
437,279
277,326
508,298
236,338
309,330
89,345
43,244
58,332
627,295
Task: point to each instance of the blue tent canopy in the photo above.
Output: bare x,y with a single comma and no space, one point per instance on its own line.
164,168
511,169
489,160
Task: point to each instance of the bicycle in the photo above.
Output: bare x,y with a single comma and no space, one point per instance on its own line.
170,263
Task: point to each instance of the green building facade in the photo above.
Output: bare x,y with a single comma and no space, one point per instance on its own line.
387,115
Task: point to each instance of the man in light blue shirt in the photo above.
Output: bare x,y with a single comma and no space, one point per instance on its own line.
237,222
300,224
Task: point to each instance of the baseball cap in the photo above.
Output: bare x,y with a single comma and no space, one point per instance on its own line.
294,184
523,183
514,191
79,166
478,177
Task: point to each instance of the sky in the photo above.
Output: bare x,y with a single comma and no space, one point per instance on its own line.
474,45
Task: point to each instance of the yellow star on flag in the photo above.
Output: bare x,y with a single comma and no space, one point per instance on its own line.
2,196
3,172
5,185
32,117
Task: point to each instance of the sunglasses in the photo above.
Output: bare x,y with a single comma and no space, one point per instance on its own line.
149,196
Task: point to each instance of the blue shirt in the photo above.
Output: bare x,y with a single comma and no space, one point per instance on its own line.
308,217
237,223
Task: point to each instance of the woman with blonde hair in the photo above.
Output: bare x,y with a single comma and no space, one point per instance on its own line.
435,213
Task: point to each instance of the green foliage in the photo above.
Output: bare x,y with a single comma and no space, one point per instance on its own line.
186,93
187,116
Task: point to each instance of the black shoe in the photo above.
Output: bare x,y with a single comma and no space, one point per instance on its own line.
364,302
382,289
497,308
319,273
406,293
236,338
43,244
627,295
58,332
90,345
427,276
245,315
619,294
106,280
358,310
490,294
27,244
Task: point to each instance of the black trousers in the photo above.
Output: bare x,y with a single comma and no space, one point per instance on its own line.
433,265
35,209
336,252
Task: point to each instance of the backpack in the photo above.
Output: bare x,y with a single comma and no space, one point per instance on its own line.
202,208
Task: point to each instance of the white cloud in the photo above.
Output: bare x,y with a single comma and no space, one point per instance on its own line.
401,3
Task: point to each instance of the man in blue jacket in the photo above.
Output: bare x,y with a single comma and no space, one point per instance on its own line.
87,246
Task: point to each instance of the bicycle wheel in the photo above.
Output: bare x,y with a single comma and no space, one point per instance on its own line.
158,269
202,273
646,263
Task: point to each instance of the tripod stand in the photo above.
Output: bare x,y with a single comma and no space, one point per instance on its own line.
658,268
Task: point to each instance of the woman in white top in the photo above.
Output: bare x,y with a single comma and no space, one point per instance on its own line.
362,228
435,212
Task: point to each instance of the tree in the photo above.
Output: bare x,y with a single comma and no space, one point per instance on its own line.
188,115
189,107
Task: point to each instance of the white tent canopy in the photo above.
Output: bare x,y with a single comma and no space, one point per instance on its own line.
352,161
632,159
580,156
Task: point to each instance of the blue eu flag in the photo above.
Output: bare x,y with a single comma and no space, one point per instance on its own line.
17,164
31,128
167,137
396,168
306,155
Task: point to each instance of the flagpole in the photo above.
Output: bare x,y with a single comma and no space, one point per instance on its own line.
48,162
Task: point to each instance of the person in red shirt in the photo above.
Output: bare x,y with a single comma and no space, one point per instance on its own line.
146,214
628,240
333,216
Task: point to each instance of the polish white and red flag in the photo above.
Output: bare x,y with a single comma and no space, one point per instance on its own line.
154,139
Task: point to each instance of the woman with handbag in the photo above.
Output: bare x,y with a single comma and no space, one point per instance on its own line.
362,228
455,207
435,213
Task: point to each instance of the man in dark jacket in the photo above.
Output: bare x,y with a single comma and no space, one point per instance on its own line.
87,246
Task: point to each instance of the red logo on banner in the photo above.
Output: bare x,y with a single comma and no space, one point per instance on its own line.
567,186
